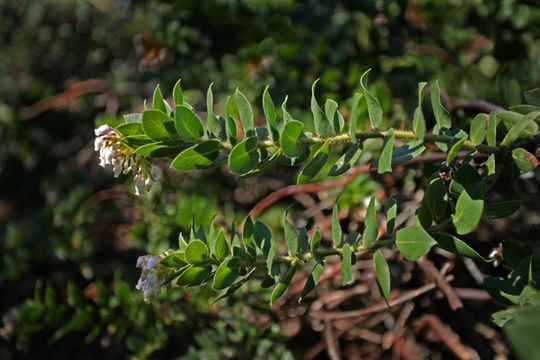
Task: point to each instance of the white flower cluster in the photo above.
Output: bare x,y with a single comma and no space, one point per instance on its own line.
112,151
149,279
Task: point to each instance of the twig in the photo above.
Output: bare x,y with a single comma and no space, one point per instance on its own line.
330,341
432,272
475,105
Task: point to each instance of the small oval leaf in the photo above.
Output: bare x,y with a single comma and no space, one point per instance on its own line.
244,156
413,242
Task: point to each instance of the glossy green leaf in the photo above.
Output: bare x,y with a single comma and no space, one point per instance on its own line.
457,246
478,129
303,241
178,97
158,103
464,177
226,274
454,150
290,135
390,211
237,285
491,134
436,198
371,226
230,124
524,159
441,115
245,111
156,124
137,140
509,119
130,128
286,116
385,159
347,160
270,259
133,118
413,242
522,331
265,166
502,209
197,157
270,114
196,251
314,166
312,280
404,153
334,116
222,247
373,105
424,218
165,148
188,124
346,271
419,123
194,275
216,125
283,283
355,114
383,274
490,163
501,290
520,126
337,233
319,118
174,260
315,241
248,233
468,213
291,238
244,156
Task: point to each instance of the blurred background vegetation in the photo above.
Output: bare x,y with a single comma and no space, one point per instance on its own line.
71,233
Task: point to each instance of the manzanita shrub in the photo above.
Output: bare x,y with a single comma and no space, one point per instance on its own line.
453,204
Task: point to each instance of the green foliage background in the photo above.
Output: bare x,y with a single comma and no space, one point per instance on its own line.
70,234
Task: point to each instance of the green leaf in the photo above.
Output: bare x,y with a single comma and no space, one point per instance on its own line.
334,116
283,283
424,218
245,111
346,272
491,134
226,274
373,105
196,251
441,115
383,274
390,211
337,233
419,123
130,128
464,177
490,163
270,114
222,247
500,318
137,140
314,166
291,238
188,124
404,153
457,246
312,280
468,213
508,119
478,129
237,285
265,166
435,198
248,233
133,118
413,242
353,119
385,160
194,275
270,259
177,94
347,160
158,102
516,130
165,148
174,260
199,156
229,122
303,241
532,96
501,290
286,116
524,159
502,209
290,135
216,125
244,156
371,226
321,124
155,124
522,331
315,241
454,150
